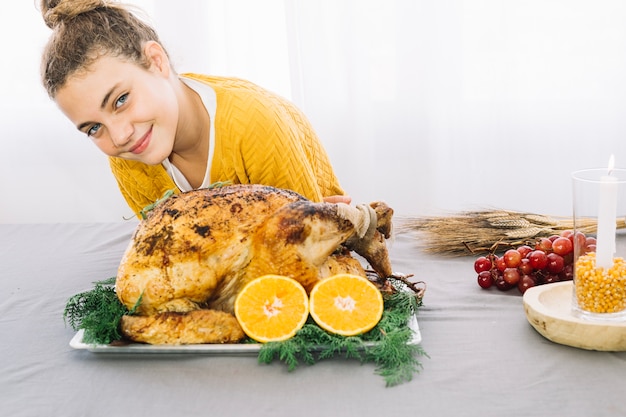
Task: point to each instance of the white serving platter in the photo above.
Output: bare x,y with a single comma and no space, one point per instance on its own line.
549,310
210,349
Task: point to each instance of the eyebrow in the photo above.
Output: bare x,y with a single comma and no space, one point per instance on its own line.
106,97
105,100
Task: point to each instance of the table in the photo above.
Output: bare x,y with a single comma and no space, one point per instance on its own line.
484,357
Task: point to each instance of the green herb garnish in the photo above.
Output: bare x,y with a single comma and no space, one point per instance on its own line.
388,345
98,312
144,213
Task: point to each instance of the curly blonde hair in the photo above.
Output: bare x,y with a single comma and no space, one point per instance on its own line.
84,30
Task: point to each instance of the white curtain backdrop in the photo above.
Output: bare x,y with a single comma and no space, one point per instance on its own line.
431,105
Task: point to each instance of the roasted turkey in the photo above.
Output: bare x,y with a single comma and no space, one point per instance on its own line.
187,261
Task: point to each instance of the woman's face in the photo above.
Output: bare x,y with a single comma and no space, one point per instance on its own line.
128,111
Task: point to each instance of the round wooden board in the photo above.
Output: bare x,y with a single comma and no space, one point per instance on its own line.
548,310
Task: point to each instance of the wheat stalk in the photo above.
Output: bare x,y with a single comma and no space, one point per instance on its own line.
474,232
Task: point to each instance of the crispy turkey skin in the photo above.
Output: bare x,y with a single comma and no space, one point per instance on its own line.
196,251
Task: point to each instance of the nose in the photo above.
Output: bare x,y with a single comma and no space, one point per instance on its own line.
121,133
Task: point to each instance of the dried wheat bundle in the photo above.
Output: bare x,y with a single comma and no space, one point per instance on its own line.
473,232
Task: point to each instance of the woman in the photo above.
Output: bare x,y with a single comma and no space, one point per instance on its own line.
109,74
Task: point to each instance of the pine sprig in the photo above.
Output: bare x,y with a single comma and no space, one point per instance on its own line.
388,345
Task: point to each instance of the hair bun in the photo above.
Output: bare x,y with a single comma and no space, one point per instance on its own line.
55,12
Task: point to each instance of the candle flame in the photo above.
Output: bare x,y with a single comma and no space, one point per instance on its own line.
611,163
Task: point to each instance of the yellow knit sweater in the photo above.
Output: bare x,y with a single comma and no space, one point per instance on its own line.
260,138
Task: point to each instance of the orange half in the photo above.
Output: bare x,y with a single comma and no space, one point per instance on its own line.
272,308
346,304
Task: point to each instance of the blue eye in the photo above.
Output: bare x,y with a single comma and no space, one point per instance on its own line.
120,101
93,129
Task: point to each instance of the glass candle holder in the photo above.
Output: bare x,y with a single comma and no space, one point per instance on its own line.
599,266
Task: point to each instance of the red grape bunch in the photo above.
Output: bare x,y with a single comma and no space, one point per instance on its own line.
550,259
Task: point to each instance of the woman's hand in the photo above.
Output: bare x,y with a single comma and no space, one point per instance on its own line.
338,199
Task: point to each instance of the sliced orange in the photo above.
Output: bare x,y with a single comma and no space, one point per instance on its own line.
346,304
272,308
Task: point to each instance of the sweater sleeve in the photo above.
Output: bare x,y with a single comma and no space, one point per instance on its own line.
263,138
140,184
274,154
315,155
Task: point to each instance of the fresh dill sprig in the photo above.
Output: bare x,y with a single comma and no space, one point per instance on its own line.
388,345
395,357
97,311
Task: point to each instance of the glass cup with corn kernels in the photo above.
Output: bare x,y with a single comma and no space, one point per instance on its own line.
599,253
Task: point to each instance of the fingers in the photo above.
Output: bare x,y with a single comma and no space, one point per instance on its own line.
346,199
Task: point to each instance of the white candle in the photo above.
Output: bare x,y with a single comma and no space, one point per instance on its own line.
607,218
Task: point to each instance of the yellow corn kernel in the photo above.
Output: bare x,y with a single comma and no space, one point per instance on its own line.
599,290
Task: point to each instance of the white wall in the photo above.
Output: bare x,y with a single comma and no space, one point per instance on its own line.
432,106
446,105
49,171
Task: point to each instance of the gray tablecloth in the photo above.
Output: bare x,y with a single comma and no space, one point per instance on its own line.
485,359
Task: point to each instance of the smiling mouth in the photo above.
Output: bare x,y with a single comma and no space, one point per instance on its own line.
142,144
